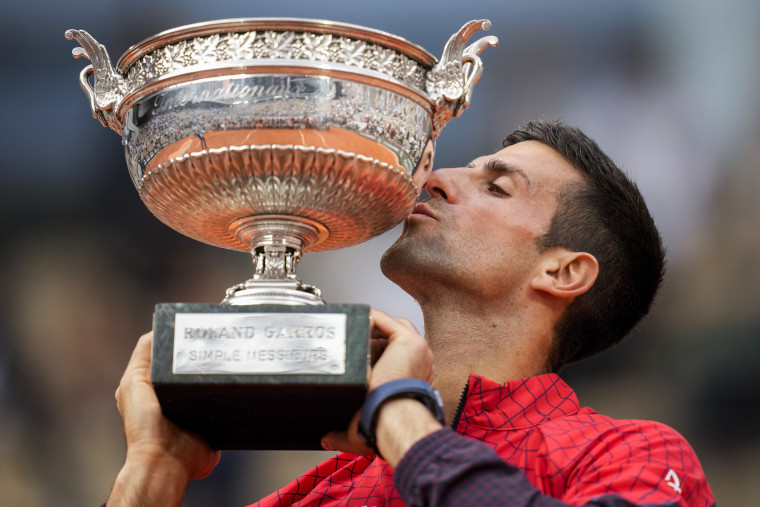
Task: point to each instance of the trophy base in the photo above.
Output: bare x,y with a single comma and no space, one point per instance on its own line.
263,376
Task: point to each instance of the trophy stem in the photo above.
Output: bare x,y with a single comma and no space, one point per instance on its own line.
277,242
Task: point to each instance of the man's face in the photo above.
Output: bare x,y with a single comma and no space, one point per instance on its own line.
478,230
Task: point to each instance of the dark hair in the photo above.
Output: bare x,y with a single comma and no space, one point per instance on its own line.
605,216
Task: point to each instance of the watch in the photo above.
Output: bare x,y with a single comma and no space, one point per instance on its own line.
402,388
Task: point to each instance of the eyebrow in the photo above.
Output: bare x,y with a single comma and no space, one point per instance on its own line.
500,167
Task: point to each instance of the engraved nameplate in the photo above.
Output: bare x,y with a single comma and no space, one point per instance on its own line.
257,343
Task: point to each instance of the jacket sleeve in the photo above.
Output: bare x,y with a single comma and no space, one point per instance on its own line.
447,469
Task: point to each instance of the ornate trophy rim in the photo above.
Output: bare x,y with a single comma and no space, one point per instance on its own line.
279,135
234,46
161,61
232,25
293,67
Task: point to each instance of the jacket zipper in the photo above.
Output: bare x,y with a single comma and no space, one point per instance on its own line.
460,407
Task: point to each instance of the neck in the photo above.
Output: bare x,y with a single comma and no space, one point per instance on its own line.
491,339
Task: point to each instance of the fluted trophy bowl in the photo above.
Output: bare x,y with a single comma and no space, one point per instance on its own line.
279,136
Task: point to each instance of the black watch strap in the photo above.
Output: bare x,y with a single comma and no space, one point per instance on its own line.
403,388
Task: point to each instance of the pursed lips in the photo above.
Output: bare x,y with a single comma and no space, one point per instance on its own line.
421,208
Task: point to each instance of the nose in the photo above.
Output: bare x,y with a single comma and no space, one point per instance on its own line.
442,184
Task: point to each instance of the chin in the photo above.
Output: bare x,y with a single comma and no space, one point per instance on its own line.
388,262
396,262
406,264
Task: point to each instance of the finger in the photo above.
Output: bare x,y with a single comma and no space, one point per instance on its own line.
138,366
389,326
347,440
117,395
335,440
382,323
138,369
377,334
141,354
344,442
139,362
136,400
214,458
377,346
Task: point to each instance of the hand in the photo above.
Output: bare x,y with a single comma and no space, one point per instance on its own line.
403,353
156,447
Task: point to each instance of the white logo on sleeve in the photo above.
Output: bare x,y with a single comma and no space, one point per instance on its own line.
672,480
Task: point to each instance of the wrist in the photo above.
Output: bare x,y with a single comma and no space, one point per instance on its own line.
149,480
402,423
420,414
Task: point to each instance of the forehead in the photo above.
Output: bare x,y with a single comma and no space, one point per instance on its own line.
539,163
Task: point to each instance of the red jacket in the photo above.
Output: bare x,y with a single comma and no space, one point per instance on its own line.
548,451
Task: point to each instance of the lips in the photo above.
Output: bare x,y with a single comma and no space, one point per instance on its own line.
422,208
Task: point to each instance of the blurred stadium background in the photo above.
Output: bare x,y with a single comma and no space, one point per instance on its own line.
670,89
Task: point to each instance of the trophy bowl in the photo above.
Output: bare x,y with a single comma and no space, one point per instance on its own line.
277,137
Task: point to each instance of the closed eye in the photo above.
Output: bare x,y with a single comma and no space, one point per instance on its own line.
496,189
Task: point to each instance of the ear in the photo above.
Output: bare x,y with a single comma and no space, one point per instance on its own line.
565,274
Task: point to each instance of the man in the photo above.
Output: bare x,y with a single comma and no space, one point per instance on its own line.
540,254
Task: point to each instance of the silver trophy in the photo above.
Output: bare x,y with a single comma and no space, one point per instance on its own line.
276,137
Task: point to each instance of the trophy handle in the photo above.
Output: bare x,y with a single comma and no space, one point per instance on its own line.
451,80
109,86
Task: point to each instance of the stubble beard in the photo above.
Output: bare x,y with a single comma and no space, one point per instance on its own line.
417,263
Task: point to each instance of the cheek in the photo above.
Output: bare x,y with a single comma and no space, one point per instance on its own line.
498,244
528,225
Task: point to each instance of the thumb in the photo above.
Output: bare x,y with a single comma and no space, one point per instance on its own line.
335,440
214,459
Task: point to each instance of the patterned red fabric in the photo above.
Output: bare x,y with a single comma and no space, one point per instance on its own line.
536,426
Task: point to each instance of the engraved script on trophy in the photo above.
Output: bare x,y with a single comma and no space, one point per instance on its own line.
250,343
280,136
